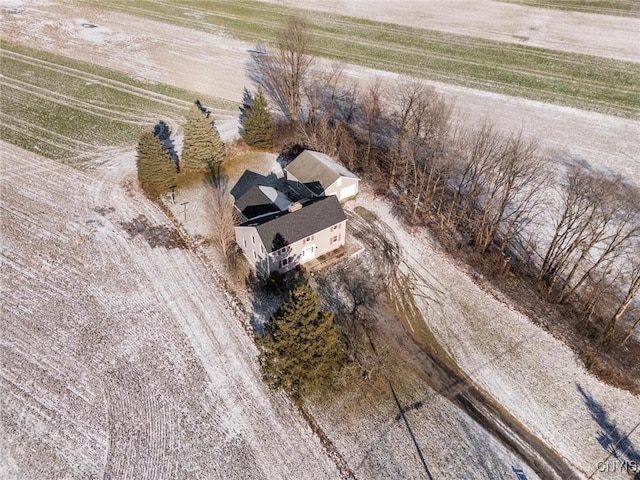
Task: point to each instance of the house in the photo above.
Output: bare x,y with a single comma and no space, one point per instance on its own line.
276,239
314,174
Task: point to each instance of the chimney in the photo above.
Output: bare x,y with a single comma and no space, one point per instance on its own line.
294,207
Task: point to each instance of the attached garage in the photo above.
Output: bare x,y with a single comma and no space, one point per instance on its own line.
314,174
347,191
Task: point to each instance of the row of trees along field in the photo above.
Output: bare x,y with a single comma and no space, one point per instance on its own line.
569,233
158,164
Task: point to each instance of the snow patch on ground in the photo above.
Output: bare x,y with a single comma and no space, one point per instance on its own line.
121,354
533,375
602,35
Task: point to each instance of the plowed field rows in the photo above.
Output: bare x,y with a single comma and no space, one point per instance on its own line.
515,69
120,359
67,109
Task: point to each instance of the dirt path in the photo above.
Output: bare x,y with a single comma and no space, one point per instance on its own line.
421,352
602,35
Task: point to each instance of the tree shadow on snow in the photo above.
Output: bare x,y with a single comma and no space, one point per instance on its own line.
252,179
610,438
263,305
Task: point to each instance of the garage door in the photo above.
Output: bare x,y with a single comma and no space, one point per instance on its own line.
347,192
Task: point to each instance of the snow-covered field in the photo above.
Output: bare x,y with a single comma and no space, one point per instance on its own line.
215,65
121,357
533,375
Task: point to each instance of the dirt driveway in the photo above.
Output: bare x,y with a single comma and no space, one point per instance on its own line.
423,353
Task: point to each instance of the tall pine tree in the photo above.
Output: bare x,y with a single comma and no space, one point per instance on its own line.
302,350
203,150
154,163
257,122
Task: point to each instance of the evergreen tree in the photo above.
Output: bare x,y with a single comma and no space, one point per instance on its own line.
203,150
302,350
154,163
257,124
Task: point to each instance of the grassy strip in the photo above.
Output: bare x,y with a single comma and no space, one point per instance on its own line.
620,8
108,75
61,108
36,143
575,80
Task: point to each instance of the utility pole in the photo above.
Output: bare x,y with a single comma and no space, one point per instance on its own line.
184,204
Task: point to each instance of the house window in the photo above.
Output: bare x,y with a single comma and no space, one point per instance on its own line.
333,239
245,243
283,250
284,262
261,248
254,255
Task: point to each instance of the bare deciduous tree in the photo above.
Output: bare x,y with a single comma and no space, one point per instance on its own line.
325,92
598,221
629,334
281,71
224,217
633,281
573,228
407,96
372,104
477,153
512,189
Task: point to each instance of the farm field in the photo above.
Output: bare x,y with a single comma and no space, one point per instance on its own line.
546,75
67,109
607,7
208,62
509,21
121,357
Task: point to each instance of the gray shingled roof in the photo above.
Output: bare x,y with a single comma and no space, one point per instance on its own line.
317,170
255,203
289,227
